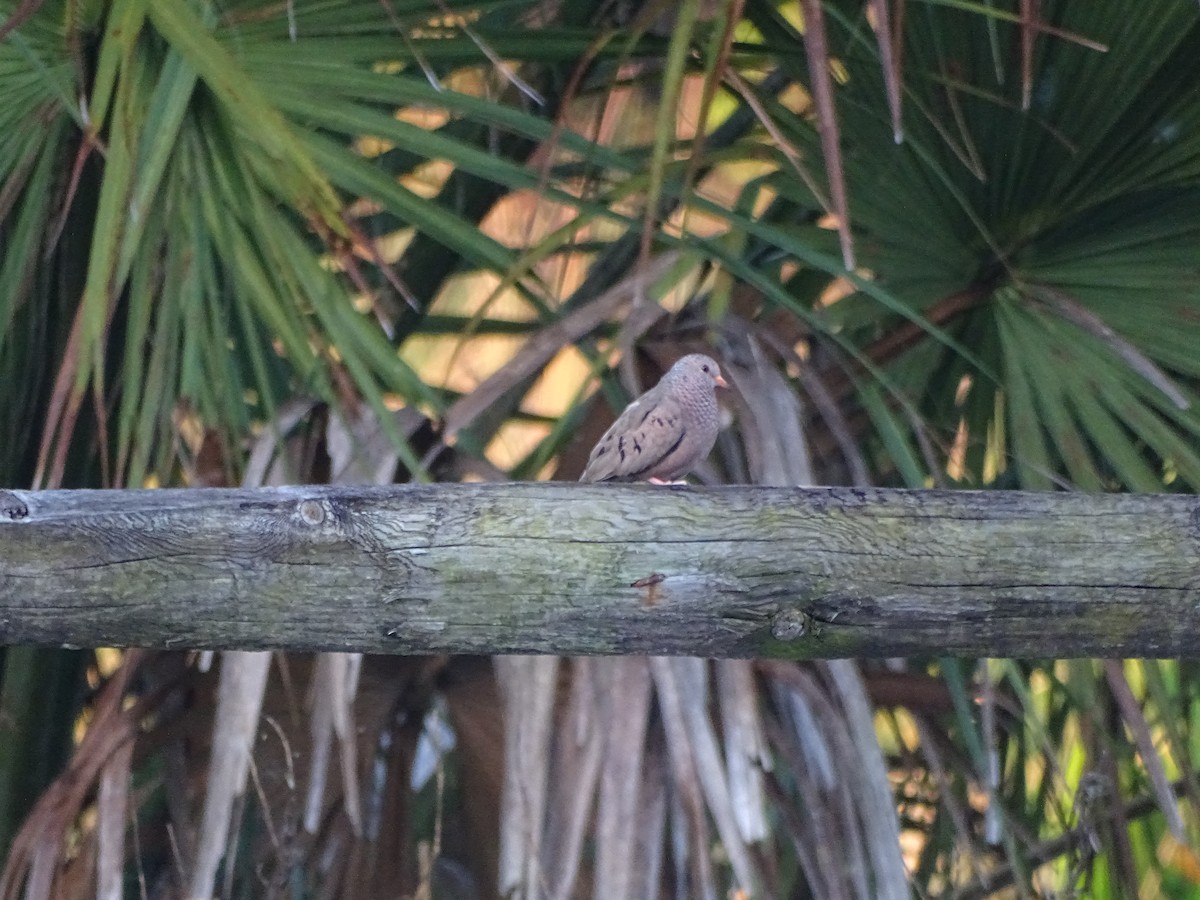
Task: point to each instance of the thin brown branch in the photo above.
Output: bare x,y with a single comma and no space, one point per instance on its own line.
817,50
782,144
1070,36
732,17
1135,721
975,161
89,141
1029,16
20,16
890,44
18,177
908,334
1077,314
61,412
965,87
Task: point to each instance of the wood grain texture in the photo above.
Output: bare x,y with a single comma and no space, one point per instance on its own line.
583,569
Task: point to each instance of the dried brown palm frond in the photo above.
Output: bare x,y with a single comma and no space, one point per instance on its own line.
636,752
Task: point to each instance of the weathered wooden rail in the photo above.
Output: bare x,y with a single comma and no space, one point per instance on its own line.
582,569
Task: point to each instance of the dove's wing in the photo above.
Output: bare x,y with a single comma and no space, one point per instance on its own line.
644,437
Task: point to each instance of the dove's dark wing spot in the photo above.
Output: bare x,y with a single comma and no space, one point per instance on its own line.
656,467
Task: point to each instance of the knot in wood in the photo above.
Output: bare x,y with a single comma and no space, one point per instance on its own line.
12,506
650,580
312,512
790,624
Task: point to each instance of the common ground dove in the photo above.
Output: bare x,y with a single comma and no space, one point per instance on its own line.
665,432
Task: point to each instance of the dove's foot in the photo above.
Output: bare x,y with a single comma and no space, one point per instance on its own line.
661,481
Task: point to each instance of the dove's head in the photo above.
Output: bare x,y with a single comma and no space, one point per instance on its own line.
697,368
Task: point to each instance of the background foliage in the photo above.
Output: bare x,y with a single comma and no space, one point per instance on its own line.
934,242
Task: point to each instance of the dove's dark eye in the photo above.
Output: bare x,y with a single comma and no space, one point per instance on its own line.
705,368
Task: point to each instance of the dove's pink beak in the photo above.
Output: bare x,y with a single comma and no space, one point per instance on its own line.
721,382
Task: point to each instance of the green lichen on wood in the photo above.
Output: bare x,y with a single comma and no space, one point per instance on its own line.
606,569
